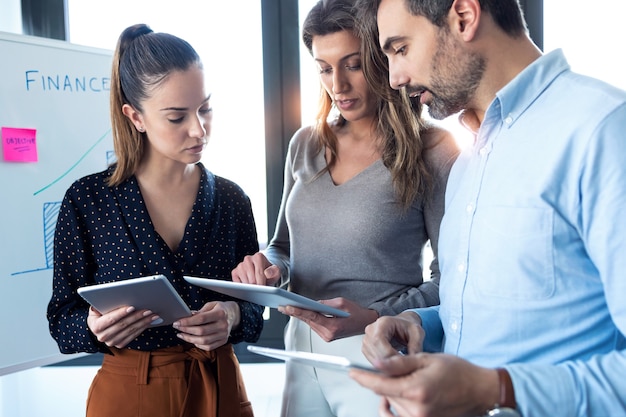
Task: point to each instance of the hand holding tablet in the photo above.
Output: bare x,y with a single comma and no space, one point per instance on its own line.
154,293
265,295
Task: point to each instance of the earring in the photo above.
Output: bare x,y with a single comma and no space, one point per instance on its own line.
141,129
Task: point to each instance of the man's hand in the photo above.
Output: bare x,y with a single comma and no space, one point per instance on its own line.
425,385
390,334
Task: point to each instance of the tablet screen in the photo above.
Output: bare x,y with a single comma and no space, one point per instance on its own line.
318,360
265,295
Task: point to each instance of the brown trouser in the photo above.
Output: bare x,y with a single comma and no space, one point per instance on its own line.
173,382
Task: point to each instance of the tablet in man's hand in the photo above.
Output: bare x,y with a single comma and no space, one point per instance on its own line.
318,360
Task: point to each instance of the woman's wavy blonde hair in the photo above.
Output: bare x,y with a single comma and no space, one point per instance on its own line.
398,116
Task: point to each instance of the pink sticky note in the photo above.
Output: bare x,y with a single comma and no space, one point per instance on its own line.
19,145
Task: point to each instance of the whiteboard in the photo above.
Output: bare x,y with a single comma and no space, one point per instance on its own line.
62,91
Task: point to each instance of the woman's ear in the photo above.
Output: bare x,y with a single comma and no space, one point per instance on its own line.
134,116
465,18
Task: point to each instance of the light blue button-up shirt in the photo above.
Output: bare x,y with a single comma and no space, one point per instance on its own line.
533,244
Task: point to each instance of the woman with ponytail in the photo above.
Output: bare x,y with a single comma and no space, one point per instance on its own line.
157,210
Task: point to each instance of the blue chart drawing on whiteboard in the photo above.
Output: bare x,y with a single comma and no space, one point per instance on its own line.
50,214
51,210
75,164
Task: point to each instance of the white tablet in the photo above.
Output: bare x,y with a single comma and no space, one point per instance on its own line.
155,293
265,295
318,360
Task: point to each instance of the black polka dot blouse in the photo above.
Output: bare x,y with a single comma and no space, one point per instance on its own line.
105,234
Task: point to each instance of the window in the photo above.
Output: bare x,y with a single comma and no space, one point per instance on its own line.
11,16
233,65
309,76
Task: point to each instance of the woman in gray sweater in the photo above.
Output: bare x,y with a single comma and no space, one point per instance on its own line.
363,195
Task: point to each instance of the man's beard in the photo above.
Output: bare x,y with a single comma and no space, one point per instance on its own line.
457,74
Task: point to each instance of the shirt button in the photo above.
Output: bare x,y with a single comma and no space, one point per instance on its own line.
469,208
461,267
454,326
483,151
508,120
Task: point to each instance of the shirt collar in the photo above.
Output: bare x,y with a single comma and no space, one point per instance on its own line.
515,97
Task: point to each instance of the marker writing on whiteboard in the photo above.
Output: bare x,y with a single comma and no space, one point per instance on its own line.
35,80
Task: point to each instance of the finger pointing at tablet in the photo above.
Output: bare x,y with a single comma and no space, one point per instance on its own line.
256,269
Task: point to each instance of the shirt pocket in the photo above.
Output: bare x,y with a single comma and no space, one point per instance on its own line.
514,258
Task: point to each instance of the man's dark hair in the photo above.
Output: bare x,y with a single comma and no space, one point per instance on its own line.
507,14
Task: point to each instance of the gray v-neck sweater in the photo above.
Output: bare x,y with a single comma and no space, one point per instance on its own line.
353,240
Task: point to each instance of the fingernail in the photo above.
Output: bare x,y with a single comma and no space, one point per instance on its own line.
130,309
147,313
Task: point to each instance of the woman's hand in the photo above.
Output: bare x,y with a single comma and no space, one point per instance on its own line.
119,327
256,269
332,328
210,327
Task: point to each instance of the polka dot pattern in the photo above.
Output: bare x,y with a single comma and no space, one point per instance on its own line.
105,234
